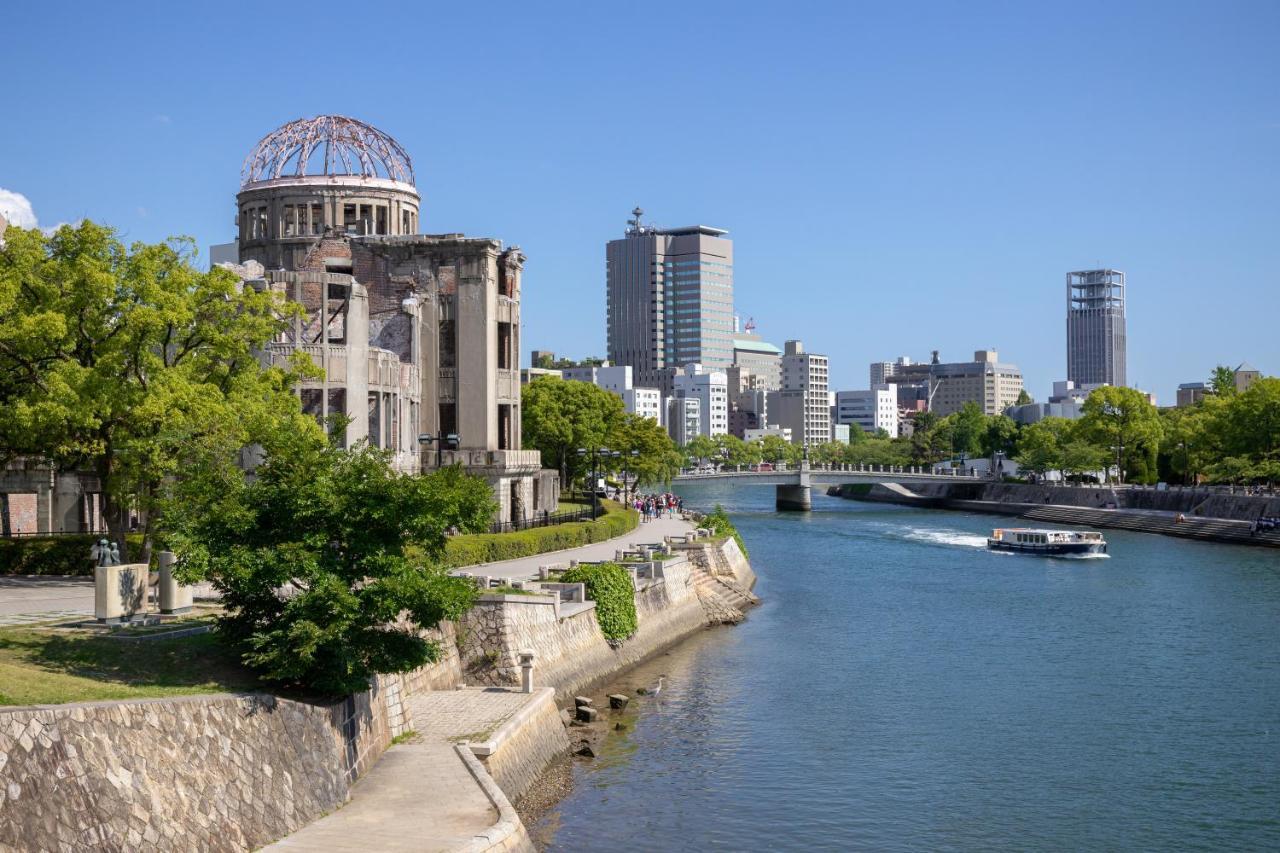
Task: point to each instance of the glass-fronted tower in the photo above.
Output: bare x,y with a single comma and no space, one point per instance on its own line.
670,299
1096,327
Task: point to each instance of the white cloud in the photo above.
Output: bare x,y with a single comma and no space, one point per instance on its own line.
15,208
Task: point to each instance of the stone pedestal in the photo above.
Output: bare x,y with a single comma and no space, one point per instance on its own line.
174,597
119,592
794,498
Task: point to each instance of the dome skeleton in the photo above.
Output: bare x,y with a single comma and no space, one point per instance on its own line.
350,148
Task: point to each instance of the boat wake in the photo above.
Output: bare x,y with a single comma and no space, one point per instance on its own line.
1082,556
946,537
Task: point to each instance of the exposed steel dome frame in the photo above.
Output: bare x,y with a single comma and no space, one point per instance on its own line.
328,146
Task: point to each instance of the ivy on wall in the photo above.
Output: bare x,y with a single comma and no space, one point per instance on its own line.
609,586
719,524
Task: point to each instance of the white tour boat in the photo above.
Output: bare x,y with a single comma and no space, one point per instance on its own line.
1027,540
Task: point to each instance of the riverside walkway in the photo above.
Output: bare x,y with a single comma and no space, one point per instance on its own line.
526,568
427,794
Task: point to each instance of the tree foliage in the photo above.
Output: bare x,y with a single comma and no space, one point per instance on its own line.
309,555
1124,422
610,587
127,361
559,417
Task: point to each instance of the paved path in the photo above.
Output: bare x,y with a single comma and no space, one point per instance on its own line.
524,568
26,598
419,796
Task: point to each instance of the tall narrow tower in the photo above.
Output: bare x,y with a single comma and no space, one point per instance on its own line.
1096,327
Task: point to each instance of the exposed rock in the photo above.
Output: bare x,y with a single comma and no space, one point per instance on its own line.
617,701
587,714
583,701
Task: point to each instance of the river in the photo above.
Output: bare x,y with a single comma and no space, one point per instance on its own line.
902,688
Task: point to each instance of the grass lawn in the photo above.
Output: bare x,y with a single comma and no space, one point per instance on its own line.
39,666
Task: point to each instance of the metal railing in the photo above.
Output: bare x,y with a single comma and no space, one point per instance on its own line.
23,534
544,519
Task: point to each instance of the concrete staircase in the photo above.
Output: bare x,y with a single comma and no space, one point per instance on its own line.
1194,527
722,600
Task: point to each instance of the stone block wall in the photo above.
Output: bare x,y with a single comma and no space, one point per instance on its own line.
219,772
570,652
537,739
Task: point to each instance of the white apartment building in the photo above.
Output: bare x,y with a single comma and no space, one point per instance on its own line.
711,389
684,418
783,433
803,405
645,402
872,409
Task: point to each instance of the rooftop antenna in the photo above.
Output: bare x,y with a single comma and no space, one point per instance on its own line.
635,223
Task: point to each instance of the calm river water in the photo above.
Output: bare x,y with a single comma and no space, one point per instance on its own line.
900,688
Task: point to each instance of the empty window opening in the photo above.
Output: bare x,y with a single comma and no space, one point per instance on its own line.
375,419
504,346
339,303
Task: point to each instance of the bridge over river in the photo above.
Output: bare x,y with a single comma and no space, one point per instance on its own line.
794,482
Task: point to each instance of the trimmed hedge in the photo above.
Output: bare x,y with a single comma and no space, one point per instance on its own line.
470,549
55,555
609,586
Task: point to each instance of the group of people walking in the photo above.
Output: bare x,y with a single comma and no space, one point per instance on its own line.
655,506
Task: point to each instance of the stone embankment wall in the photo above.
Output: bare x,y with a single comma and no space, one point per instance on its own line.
220,772
1020,496
571,653
524,746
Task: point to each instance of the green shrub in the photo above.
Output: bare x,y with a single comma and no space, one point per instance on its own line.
471,549
609,586
55,555
718,523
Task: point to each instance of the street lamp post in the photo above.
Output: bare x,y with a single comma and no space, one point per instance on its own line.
440,441
595,458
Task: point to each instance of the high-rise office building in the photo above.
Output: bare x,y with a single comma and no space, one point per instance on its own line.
1096,327
873,409
670,299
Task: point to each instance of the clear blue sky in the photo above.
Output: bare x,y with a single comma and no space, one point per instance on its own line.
896,177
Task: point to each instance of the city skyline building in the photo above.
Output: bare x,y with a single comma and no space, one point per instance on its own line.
803,404
669,299
711,389
872,409
1096,332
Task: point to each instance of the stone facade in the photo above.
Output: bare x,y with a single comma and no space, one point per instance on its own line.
217,772
418,334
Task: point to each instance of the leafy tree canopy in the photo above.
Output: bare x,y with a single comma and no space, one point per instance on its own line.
128,360
309,555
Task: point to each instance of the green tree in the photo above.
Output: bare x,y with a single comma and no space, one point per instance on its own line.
310,557
1040,448
656,459
775,449
735,451
561,417
999,436
828,452
1080,457
1122,421
129,361
968,428
1023,398
1186,446
1248,423
701,449
1222,381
